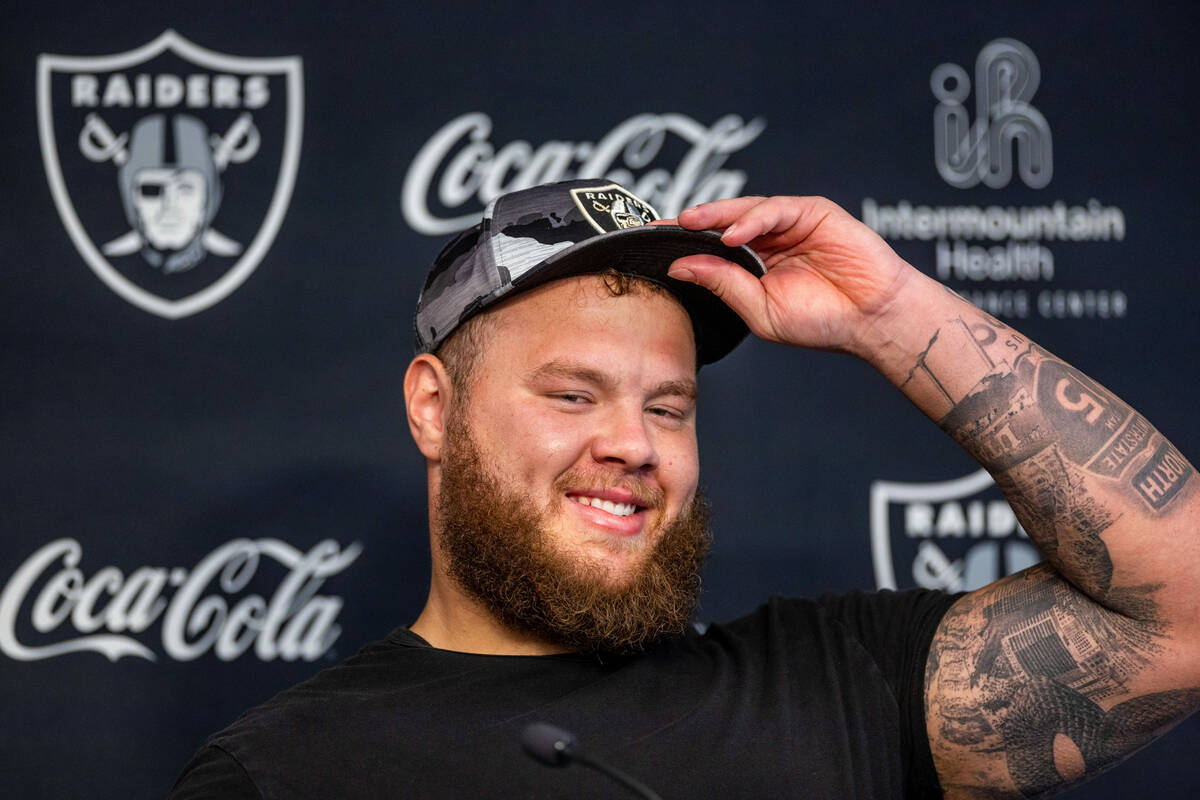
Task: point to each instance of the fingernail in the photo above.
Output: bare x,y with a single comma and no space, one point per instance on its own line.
681,274
729,230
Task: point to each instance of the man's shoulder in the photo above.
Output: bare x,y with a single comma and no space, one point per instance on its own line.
298,724
884,632
856,612
305,706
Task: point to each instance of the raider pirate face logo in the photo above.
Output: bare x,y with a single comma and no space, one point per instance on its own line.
171,165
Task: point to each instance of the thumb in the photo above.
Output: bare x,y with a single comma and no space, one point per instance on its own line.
739,290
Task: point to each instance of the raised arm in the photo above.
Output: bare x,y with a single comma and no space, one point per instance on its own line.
1051,675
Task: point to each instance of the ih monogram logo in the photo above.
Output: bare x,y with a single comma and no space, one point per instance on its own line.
1006,76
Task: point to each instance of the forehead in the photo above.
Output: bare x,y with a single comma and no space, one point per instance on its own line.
580,317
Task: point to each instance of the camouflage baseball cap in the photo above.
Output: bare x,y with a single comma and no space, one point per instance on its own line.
533,236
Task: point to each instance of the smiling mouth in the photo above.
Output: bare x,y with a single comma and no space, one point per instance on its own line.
617,509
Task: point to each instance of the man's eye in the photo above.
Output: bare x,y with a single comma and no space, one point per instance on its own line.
150,190
571,398
662,411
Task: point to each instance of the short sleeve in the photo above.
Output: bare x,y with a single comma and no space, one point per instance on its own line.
213,773
896,629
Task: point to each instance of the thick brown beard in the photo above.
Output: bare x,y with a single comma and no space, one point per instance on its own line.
496,549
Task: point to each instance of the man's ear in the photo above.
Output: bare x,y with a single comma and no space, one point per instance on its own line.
427,398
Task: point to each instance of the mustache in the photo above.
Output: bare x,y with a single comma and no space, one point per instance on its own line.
645,493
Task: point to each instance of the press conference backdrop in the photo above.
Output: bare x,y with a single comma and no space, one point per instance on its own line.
208,488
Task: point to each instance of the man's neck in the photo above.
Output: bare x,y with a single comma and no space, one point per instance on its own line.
453,621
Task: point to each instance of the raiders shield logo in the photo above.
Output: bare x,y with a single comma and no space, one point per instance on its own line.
610,208
955,535
171,165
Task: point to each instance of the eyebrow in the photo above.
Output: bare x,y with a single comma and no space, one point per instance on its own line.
580,372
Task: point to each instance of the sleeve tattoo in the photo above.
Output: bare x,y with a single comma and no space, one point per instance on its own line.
1035,672
1047,432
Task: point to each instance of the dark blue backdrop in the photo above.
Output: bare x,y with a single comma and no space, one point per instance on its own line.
206,474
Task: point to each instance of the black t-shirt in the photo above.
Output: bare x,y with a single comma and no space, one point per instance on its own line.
806,699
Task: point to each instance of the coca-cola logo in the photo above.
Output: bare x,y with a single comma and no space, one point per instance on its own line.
197,608
460,167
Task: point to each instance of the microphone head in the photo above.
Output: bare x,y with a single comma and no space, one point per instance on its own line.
548,744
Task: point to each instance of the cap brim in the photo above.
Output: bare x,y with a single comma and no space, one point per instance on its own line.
648,252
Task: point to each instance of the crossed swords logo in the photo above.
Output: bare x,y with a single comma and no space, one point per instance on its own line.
99,143
621,213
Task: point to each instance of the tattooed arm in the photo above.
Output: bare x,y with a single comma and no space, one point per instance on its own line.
1051,675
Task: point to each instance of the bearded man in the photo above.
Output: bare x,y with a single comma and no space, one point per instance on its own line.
554,399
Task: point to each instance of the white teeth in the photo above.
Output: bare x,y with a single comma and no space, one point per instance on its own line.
619,509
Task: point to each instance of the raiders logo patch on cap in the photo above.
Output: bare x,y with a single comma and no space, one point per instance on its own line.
610,208
532,236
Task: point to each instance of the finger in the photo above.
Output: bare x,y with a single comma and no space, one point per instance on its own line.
769,243
764,245
717,214
739,289
797,216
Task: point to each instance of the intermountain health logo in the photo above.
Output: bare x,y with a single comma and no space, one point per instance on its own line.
171,165
1004,258
1007,75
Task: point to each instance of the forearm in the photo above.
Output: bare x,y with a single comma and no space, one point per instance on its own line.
1109,501
1096,650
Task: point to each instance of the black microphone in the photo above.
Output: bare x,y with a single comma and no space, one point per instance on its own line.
558,748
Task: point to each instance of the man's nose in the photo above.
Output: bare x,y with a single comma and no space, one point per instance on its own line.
623,439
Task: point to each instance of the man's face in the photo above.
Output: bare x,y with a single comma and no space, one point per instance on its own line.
580,425
170,205
585,403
